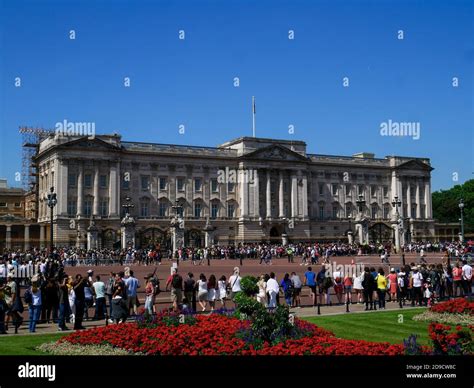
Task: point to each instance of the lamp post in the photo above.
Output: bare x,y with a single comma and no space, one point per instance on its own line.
176,224
128,225
52,201
461,208
128,205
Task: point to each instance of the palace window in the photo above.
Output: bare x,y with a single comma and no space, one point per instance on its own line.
214,210
334,211
180,184
348,210
145,182
385,191
230,187
214,186
162,183
71,208
348,190
373,191
335,189
162,209
197,209
230,210
88,181
197,184
103,181
360,190
374,211
413,211
144,209
321,189
386,212
71,180
104,207
321,212
17,204
87,207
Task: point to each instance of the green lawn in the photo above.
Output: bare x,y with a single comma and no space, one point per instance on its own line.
24,345
380,326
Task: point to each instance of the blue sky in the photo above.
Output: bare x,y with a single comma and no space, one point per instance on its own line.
296,82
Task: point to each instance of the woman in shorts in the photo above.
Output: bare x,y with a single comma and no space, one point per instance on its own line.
358,288
222,290
211,292
348,289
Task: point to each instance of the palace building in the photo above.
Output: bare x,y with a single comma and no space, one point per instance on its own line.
245,190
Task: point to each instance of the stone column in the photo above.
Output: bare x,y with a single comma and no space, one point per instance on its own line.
27,237
397,237
281,209
305,197
269,196
95,207
409,215
42,236
418,201
80,191
294,195
428,206
113,199
8,237
243,188
256,191
394,190
61,177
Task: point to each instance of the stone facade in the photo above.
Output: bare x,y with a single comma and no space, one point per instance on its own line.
245,190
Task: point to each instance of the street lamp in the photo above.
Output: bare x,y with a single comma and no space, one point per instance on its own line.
461,208
52,201
360,203
396,203
128,205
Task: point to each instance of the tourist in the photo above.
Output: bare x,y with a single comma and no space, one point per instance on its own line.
222,290
132,285
457,280
3,306
71,298
190,290
99,292
234,282
63,304
79,301
320,279
175,281
466,279
401,288
13,302
119,299
359,288
417,284
326,285
273,290
338,286
297,285
381,287
212,292
88,298
50,301
149,292
34,301
262,291
110,290
310,281
202,291
287,287
348,282
368,283
392,283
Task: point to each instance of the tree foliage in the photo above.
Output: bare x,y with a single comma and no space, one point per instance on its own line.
446,205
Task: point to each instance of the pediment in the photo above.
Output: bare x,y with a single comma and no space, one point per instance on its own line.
87,142
415,165
275,152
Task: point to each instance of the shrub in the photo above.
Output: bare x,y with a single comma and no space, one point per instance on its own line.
248,284
247,305
451,342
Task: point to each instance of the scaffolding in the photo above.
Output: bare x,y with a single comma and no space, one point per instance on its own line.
31,138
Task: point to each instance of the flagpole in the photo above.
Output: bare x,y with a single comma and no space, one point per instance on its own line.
253,116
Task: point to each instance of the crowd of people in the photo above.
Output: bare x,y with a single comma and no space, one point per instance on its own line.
52,295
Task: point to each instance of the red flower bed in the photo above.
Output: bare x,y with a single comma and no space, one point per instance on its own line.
456,306
448,341
216,335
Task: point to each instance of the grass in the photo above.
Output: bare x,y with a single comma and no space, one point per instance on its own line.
24,345
380,326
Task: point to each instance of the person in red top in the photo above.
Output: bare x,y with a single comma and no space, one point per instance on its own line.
392,277
348,289
457,279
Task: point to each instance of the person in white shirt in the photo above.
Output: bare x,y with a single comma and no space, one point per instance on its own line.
272,289
417,283
234,282
262,290
466,280
202,291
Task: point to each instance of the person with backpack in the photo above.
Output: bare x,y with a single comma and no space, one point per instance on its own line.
33,299
368,283
175,284
288,289
234,283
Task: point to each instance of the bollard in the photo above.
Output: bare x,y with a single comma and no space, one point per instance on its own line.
319,309
347,307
